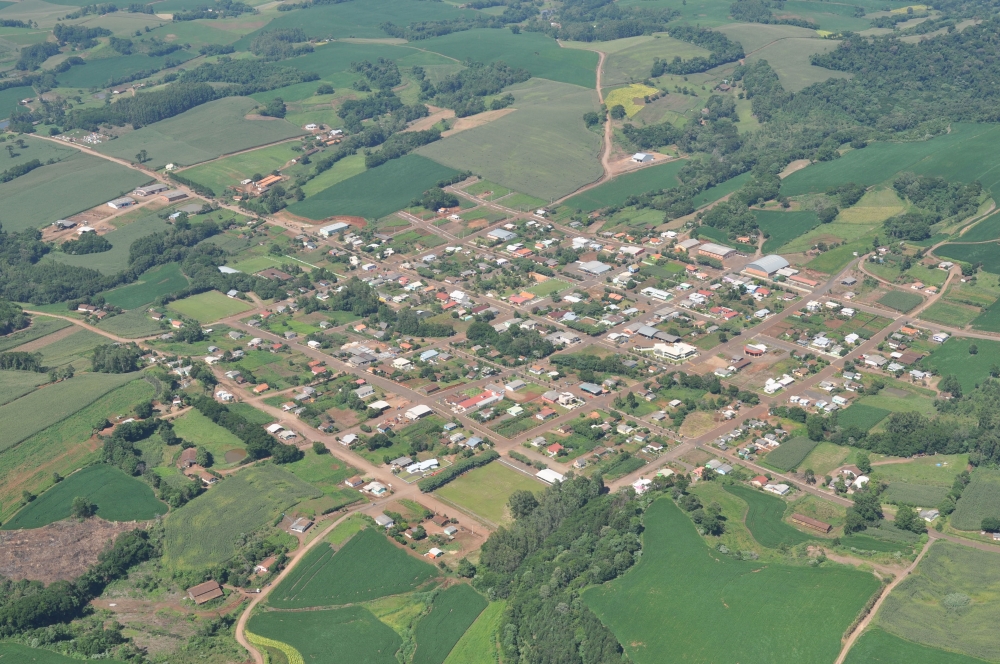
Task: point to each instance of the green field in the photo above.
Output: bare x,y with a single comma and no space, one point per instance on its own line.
980,499
790,59
485,491
790,454
780,228
376,192
251,414
478,644
323,471
764,518
987,229
901,300
452,613
918,495
198,429
346,168
153,283
708,597
633,63
549,287
547,152
202,133
949,603
115,259
713,194
230,171
13,652
40,327
76,348
953,357
118,497
10,97
861,416
196,536
868,543
350,634
972,253
956,315
98,72
15,384
879,647
209,306
131,325
825,457
615,192
83,181
369,566
936,470
988,320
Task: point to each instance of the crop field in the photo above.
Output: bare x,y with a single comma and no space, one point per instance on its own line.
713,194
478,644
790,59
825,457
634,62
980,499
222,173
377,192
10,97
454,610
868,543
901,300
15,384
118,497
198,429
82,180
99,72
131,325
918,495
13,652
209,306
344,169
485,491
790,454
783,227
40,327
616,191
520,201
861,416
75,348
625,97
708,596
369,566
953,357
115,259
152,283
949,602
874,207
987,229
353,633
324,472
764,518
34,412
879,647
548,152
250,499
202,133
972,253
958,315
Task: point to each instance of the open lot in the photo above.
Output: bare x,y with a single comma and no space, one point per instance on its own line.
209,306
485,491
901,300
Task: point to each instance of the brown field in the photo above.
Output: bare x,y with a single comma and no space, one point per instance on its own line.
476,121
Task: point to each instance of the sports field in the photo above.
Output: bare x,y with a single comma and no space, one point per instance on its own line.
790,453
349,634
485,491
209,306
452,613
616,191
901,300
877,646
764,518
115,259
376,192
153,283
780,228
195,535
980,499
861,416
118,497
369,566
202,133
953,358
708,597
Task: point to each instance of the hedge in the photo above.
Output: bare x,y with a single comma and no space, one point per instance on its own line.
451,472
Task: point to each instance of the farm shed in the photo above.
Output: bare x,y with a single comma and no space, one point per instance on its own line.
716,251
172,196
203,592
301,525
333,229
417,412
120,203
810,522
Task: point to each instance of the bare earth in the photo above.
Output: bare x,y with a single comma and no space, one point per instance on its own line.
477,120
437,114
796,165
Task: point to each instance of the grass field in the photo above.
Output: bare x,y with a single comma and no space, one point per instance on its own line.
198,429
252,498
100,71
202,133
879,647
10,98
949,602
549,287
980,499
987,229
118,497
15,384
376,192
634,62
485,491
615,192
40,327
953,357
625,97
222,173
153,283
251,414
209,306
478,644
874,207
131,325
115,259
369,566
342,170
861,416
764,518
350,634
83,181
901,300
825,457
790,454
867,543
937,470
713,194
325,472
958,315
790,59
918,495
780,228
708,597
548,152
452,613
13,652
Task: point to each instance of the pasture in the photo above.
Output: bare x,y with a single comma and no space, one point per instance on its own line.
864,542
720,190
350,634
195,537
377,192
958,315
616,191
344,169
708,596
83,181
548,152
862,416
980,499
10,98
478,644
322,471
15,384
485,491
877,646
230,171
949,603
780,228
790,59
131,325
369,566
118,497
764,518
937,470
202,133
157,281
874,207
953,357
452,613
115,259
40,327
790,454
901,300
209,306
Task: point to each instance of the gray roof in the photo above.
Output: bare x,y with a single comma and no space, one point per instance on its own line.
502,234
713,248
769,264
647,331
595,267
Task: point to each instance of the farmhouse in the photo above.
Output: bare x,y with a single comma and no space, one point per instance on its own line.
766,266
716,251
809,522
203,592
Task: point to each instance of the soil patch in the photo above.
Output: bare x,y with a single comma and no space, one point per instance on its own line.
796,165
477,120
42,342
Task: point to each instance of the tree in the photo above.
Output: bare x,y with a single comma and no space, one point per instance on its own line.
466,569
142,157
522,503
82,508
991,524
828,214
951,385
973,349
864,463
617,111
325,89
908,519
815,426
866,511
203,457
810,476
144,409
320,448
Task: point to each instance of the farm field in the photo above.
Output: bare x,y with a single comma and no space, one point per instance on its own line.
250,499
937,470
115,259
980,499
953,357
229,171
900,300
988,320
825,457
377,192
987,229
76,347
118,497
918,495
877,646
478,644
350,634
948,603
626,96
13,652
790,454
322,471
131,325
864,542
99,72
198,429
344,169
369,566
83,181
958,315
615,192
862,416
790,59
783,227
972,253
10,97
484,491
764,518
15,384
202,133
721,190
874,207
548,152
634,62
452,613
157,281
40,327
209,306
709,595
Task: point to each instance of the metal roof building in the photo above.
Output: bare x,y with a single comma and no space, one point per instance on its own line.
766,266
595,267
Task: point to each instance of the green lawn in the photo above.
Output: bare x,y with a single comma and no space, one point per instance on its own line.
485,491
209,306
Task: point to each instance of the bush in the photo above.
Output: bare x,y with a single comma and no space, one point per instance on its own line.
452,472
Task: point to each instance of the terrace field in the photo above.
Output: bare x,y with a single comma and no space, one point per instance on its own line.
616,191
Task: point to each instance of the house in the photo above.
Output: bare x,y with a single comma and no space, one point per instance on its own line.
809,522
939,338
375,488
434,553
876,361
929,515
760,481
301,525
384,521
777,489
641,485
755,350
554,449
365,391
264,566
501,235
481,400
204,592
422,466
450,531
354,482
544,414
260,389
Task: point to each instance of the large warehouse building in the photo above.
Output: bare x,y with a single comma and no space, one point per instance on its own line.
716,251
766,266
